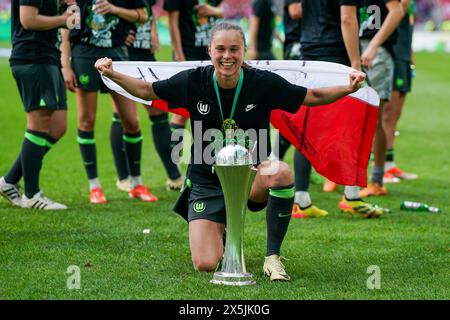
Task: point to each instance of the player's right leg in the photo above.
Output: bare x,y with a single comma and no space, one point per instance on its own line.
303,206
206,243
162,140
87,108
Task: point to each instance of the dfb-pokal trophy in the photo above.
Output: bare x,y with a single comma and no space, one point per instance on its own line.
236,174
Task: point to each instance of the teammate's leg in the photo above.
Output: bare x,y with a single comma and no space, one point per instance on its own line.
133,146
162,139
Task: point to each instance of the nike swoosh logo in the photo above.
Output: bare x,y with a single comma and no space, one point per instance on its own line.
281,215
250,107
89,163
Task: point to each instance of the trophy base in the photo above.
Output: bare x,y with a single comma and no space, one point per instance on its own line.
233,279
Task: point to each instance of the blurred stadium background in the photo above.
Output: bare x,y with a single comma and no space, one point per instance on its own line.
432,24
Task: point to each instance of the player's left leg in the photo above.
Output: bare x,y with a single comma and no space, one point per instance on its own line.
118,151
274,184
392,112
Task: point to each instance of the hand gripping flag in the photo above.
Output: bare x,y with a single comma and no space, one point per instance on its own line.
336,138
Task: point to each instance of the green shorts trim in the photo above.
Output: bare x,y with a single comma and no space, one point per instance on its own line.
41,86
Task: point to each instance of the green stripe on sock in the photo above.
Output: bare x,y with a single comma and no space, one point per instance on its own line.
35,139
116,120
160,121
85,141
283,193
132,139
48,144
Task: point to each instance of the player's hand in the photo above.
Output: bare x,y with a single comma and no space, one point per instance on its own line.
155,42
205,10
69,78
70,2
105,7
180,57
356,79
104,66
130,38
71,18
368,56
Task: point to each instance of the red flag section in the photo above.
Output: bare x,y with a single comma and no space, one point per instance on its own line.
163,105
336,138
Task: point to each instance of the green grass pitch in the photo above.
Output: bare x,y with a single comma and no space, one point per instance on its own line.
328,257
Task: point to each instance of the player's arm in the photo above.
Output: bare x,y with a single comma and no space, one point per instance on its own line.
175,35
391,22
405,5
350,35
138,15
66,68
295,11
322,96
136,87
154,36
32,20
207,10
254,28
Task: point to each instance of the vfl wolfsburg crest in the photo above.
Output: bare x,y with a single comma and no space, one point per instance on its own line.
84,79
199,207
203,108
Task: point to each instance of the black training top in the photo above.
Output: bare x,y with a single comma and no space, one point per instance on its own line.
405,31
370,13
262,92
265,10
103,31
143,31
194,30
34,46
321,28
292,30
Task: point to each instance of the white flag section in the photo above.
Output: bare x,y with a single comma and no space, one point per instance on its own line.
309,74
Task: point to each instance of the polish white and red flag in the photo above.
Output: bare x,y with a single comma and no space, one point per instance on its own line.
336,138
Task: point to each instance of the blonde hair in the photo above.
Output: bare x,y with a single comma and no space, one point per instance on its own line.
226,26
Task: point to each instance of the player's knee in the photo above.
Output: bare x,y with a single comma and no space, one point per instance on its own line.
206,265
131,126
58,133
86,123
283,176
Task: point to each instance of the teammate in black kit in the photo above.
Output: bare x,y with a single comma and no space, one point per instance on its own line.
216,87
330,33
36,67
262,30
401,87
143,42
104,28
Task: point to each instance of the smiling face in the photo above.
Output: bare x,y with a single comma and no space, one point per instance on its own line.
227,49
